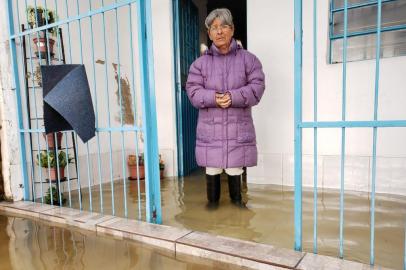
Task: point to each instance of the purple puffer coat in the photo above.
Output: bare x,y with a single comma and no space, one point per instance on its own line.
226,137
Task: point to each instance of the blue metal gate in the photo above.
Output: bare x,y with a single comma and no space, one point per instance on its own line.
186,29
100,36
299,125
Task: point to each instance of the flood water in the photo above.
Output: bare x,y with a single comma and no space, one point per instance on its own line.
29,244
268,217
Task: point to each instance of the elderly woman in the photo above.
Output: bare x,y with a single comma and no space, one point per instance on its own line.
224,83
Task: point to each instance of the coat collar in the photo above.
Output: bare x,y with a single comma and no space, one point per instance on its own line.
215,51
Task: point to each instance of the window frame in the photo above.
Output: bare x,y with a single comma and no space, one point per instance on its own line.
332,37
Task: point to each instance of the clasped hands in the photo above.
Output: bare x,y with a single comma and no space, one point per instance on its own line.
223,100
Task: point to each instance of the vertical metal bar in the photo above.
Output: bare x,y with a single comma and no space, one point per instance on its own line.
298,120
97,113
49,171
67,169
68,26
89,177
87,143
153,195
108,111
331,31
62,49
315,129
178,87
56,153
135,112
23,48
121,113
74,135
343,110
46,138
186,114
58,33
58,45
78,173
375,129
47,36
13,49
80,32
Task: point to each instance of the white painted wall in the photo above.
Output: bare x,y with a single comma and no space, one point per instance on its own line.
270,37
11,162
164,82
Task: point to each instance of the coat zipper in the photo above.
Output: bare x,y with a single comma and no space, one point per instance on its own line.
226,110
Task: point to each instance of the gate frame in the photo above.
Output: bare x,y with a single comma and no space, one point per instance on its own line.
299,125
153,196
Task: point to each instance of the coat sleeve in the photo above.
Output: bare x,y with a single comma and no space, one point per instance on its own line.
250,94
199,96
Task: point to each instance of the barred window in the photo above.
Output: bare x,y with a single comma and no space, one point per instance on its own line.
361,30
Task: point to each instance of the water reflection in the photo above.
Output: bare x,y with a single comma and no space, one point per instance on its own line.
27,244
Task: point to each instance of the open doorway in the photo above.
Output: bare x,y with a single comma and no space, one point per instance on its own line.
189,33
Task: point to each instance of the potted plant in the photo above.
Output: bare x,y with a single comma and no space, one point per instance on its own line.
54,199
132,166
38,17
51,139
48,160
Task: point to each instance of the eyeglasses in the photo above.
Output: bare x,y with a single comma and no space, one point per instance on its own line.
223,27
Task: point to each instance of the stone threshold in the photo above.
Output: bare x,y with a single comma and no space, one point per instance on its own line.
185,242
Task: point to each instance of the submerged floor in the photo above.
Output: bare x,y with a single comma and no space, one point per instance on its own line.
29,244
268,217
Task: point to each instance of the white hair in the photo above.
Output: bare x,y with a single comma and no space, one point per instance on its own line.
223,14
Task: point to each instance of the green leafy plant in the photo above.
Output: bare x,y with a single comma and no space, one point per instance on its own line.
39,16
54,199
48,160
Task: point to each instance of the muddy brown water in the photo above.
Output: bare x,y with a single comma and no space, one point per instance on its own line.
33,244
268,217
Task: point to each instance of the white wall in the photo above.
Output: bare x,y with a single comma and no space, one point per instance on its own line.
164,82
11,162
270,37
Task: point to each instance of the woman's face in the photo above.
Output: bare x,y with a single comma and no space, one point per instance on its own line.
220,34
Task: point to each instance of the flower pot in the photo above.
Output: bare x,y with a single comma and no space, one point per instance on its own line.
54,174
133,172
50,139
41,46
